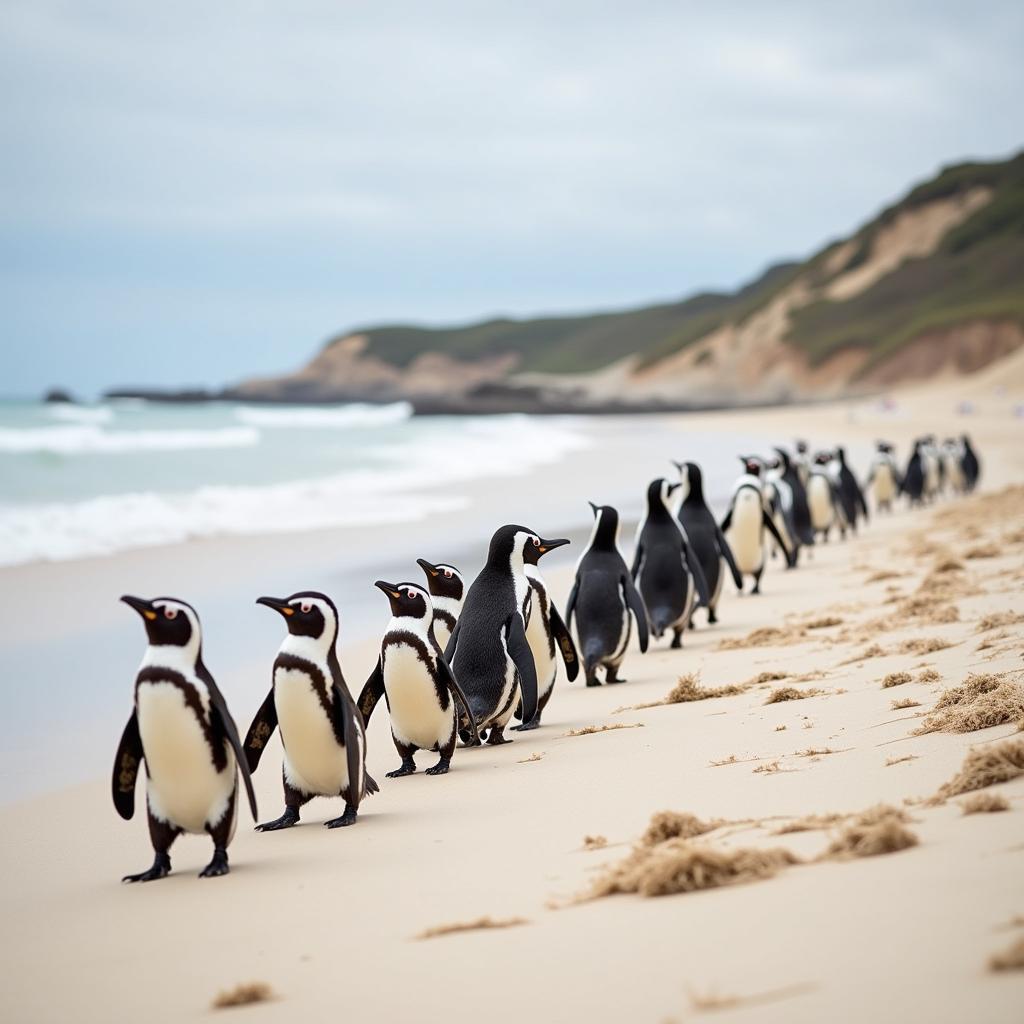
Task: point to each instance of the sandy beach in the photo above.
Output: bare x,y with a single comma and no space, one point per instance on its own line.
329,920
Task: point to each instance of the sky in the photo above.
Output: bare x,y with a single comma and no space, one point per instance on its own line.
194,193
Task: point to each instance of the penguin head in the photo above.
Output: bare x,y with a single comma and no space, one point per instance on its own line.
606,526
532,552
691,480
169,622
823,458
408,601
751,464
802,447
508,544
659,492
442,580
784,460
307,613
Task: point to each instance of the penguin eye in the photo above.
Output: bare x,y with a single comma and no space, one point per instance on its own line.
411,592
170,613
305,607
536,542
448,574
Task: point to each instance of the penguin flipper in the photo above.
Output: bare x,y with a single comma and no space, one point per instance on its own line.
126,768
371,693
262,728
636,605
570,605
219,708
727,521
564,640
726,552
348,724
690,558
459,697
453,642
519,651
769,525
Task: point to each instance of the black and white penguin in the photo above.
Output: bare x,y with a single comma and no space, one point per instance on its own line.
778,499
801,514
412,676
447,590
931,467
321,729
603,597
802,460
912,484
883,477
854,505
665,567
971,463
182,729
953,462
488,650
705,535
824,497
745,523
549,639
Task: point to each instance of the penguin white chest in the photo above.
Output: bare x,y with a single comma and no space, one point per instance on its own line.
819,501
537,637
885,485
416,715
313,759
745,532
184,786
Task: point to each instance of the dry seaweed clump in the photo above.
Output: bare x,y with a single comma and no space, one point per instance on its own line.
766,636
790,693
928,609
981,701
675,825
823,622
902,705
928,675
948,564
896,679
924,645
595,842
1009,959
243,995
809,823
986,766
766,677
688,688
479,924
589,730
984,803
983,551
878,830
882,575
997,620
679,865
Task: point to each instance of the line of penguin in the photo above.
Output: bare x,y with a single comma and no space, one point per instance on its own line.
459,664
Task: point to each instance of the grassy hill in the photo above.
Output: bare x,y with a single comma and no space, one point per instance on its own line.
974,274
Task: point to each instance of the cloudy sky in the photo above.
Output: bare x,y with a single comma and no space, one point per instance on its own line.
194,192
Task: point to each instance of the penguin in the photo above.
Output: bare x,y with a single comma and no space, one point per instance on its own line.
603,597
953,461
706,538
802,460
446,591
411,674
778,498
912,484
546,632
854,504
182,729
745,522
488,650
801,514
824,498
665,568
971,464
883,477
931,468
321,728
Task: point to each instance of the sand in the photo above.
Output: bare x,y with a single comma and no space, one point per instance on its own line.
328,920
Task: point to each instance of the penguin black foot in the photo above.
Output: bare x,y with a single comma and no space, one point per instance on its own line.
534,723
611,677
712,617
496,736
348,818
592,680
289,818
408,767
161,867
677,641
441,768
467,738
217,866
757,589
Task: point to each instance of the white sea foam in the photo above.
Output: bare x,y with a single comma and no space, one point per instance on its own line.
91,438
343,416
69,413
409,480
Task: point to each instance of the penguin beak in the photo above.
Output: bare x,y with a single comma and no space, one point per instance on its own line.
596,508
141,605
278,604
431,570
672,487
388,588
550,545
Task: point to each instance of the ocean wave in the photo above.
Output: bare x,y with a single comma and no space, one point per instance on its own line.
90,439
407,481
69,413
352,415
